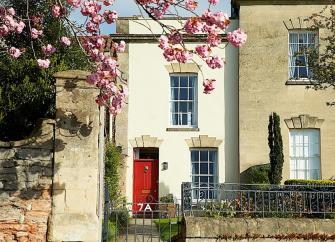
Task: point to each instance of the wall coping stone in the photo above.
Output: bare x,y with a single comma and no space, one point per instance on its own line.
244,228
72,74
43,132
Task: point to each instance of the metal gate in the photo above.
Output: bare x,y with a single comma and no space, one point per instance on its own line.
141,222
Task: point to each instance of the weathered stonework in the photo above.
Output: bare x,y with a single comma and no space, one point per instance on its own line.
76,214
203,141
26,169
146,141
304,122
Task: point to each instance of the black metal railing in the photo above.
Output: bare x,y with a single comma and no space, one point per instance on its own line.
146,221
238,200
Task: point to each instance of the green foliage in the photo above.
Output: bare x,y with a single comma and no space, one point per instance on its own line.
113,161
27,92
112,231
119,217
276,149
258,174
168,227
310,182
168,198
321,61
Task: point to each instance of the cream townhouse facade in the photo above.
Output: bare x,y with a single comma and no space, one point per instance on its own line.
170,131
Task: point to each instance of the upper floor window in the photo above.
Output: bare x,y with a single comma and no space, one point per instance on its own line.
299,42
304,154
183,102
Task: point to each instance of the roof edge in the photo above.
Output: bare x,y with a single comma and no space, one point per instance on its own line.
237,3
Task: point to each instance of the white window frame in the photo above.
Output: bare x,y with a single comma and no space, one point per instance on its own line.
194,101
199,186
291,55
303,153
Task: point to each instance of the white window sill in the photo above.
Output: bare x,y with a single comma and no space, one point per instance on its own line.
303,81
185,129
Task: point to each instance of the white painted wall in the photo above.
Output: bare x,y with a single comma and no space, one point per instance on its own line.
149,90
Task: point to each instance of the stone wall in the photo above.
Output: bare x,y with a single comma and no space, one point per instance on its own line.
76,210
26,169
51,183
261,229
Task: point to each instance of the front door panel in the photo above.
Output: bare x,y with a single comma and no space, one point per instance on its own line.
145,188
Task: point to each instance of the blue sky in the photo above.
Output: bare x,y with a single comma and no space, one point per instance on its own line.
127,8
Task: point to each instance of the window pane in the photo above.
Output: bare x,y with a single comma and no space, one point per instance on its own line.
195,179
183,94
184,119
174,81
190,94
190,107
204,155
174,94
195,168
194,155
192,80
204,168
303,72
212,155
183,107
211,168
204,180
184,81
175,119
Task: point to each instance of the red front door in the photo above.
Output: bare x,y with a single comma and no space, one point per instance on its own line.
145,186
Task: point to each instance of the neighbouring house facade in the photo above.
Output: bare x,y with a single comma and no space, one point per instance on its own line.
273,77
170,131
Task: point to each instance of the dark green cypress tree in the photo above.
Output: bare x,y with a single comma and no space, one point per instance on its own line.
276,149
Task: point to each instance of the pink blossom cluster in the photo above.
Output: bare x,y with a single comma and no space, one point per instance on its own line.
158,8
104,77
43,63
237,37
212,24
56,10
209,85
73,3
65,41
48,50
9,23
14,52
191,4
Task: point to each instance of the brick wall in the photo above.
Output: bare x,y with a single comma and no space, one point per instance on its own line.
26,169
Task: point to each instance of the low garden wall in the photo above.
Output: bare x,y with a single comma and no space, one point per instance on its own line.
26,169
205,229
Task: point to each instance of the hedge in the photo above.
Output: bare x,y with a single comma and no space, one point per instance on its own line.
310,182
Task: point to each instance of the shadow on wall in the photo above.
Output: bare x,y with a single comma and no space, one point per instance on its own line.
27,166
163,189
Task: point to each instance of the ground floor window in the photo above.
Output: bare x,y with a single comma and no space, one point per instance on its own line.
304,154
204,173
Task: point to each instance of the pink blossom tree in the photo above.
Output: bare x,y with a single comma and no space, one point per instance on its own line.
106,74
